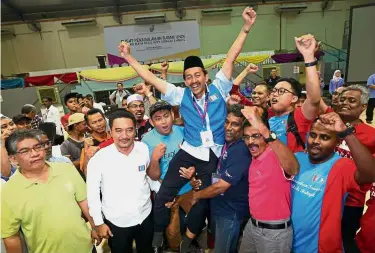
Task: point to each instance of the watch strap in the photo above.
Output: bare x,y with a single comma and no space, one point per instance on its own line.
310,64
350,130
270,138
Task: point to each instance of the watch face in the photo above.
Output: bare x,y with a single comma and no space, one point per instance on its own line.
274,136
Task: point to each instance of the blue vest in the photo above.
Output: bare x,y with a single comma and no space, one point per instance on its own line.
216,110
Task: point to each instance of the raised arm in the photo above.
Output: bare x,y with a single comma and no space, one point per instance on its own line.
250,69
307,46
286,158
363,159
145,74
249,16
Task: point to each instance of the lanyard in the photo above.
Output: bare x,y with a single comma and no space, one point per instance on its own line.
223,151
203,116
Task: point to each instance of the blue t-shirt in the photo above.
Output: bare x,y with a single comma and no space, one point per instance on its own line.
234,169
173,142
371,81
278,124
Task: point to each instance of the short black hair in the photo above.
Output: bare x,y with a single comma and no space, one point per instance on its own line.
79,96
69,96
16,137
296,86
21,118
48,99
92,112
263,83
89,96
236,110
120,83
121,113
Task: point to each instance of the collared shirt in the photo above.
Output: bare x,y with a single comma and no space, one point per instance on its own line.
36,121
59,159
123,182
269,188
118,95
47,213
174,96
371,81
52,114
143,129
98,106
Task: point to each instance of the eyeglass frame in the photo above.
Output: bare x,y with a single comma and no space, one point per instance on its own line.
254,137
134,106
274,90
27,151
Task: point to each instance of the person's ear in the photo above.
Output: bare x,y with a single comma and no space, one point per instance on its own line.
295,99
206,77
13,160
151,122
364,107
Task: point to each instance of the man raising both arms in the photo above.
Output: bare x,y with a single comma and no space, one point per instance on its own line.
202,108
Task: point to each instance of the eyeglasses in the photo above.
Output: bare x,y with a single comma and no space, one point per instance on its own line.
27,151
336,93
46,143
254,137
281,91
141,106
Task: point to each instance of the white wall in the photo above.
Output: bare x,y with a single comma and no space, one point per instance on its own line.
57,48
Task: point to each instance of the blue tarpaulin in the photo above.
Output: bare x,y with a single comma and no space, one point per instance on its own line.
12,83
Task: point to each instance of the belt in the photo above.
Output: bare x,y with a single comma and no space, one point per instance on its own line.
271,226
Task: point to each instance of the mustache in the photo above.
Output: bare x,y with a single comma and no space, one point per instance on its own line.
124,139
253,145
314,146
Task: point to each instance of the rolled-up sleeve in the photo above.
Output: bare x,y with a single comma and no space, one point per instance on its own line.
173,95
223,84
93,191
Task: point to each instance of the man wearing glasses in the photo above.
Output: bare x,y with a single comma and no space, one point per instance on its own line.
271,171
290,125
45,200
137,107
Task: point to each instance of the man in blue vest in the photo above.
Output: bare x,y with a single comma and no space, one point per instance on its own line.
203,109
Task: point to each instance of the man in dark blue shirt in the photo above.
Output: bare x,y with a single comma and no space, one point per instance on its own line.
230,187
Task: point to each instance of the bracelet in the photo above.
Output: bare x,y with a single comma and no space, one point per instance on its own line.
245,31
310,64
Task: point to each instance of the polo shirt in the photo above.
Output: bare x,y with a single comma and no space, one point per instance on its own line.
269,188
173,142
123,182
143,129
73,148
233,168
366,236
318,194
47,213
279,125
272,81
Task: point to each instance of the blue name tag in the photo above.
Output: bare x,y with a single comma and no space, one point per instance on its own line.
141,168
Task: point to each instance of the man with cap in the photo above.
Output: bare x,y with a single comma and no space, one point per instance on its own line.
137,107
72,147
70,101
22,122
164,142
202,108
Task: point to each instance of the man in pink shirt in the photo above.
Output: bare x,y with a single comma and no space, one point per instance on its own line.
272,168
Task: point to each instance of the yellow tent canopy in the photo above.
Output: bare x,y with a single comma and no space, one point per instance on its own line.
111,74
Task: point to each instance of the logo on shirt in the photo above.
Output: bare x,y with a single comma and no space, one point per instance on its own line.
213,97
318,179
225,155
227,174
69,187
141,168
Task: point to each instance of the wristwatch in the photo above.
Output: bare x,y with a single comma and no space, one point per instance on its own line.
348,131
271,138
310,64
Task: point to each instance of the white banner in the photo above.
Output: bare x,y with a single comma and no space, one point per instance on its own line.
172,40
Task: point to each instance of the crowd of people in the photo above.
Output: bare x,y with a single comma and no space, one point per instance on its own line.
280,172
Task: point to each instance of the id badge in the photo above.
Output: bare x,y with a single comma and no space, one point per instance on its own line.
207,139
215,178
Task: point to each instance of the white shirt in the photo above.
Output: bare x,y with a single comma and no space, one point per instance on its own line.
123,183
98,106
174,96
52,114
117,96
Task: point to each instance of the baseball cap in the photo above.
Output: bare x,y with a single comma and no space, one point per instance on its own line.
76,118
134,97
158,106
20,118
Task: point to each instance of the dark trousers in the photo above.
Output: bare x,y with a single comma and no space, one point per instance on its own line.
122,240
350,223
370,109
173,182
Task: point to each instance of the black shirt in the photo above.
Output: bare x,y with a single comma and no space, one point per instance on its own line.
143,129
272,81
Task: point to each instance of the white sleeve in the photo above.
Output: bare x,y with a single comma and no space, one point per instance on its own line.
223,84
112,96
173,95
93,190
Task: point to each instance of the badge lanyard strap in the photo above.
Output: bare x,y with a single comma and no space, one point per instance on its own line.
203,116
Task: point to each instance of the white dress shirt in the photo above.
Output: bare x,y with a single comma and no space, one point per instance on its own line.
98,106
123,183
174,96
52,114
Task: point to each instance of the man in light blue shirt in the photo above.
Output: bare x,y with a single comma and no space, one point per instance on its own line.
371,100
203,109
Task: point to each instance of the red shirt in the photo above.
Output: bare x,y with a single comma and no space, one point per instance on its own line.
247,102
106,143
65,120
303,126
366,236
366,135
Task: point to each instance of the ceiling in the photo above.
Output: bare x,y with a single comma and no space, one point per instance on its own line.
27,10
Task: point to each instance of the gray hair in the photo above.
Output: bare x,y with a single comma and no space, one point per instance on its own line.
27,108
38,133
357,87
16,137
